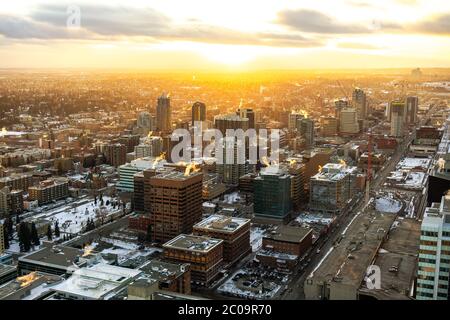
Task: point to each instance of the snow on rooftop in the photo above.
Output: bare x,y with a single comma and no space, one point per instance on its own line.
388,204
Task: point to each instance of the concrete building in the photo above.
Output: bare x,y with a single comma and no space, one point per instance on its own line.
175,203
203,253
292,121
128,170
398,113
230,121
198,112
305,128
115,154
359,102
235,233
332,188
249,114
298,196
434,255
412,108
49,190
164,114
19,181
348,122
2,238
272,190
283,247
329,126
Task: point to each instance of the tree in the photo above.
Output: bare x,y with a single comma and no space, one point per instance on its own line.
34,235
24,237
49,233
57,233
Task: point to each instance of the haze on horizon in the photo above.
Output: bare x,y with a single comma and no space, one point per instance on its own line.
217,35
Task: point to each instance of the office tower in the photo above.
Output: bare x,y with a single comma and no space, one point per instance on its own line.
339,105
128,170
230,121
235,233
164,114
146,121
139,192
329,126
412,107
331,188
292,121
49,190
175,203
130,141
249,114
348,122
298,196
115,154
434,254
272,193
397,118
359,101
198,112
230,170
305,127
204,254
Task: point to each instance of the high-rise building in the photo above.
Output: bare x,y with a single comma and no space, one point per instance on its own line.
397,118
235,233
128,170
359,101
331,188
297,172
292,121
19,181
348,122
433,272
272,189
230,121
11,201
339,105
146,121
305,127
329,126
115,154
198,112
164,113
249,114
130,141
412,107
175,203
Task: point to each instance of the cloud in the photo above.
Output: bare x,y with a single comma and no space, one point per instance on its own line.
109,22
316,22
439,25
357,45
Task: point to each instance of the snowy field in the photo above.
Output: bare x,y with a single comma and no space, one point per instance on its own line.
73,217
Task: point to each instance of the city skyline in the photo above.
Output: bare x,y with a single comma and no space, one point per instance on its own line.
205,35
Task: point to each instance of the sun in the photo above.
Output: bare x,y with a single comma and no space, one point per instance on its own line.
230,55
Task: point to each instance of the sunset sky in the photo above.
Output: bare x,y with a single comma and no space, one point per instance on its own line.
233,34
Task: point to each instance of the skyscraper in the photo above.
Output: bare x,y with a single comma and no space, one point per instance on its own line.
305,128
248,114
348,122
164,113
360,103
434,255
397,118
230,121
175,203
198,112
412,106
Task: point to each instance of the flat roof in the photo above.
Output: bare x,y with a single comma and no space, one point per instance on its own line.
193,243
222,223
18,290
347,261
96,282
161,270
56,256
288,233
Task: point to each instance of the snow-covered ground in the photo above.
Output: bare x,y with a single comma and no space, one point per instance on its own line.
314,219
387,204
73,217
230,288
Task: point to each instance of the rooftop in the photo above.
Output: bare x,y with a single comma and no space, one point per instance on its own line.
57,256
193,243
288,233
161,270
222,223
